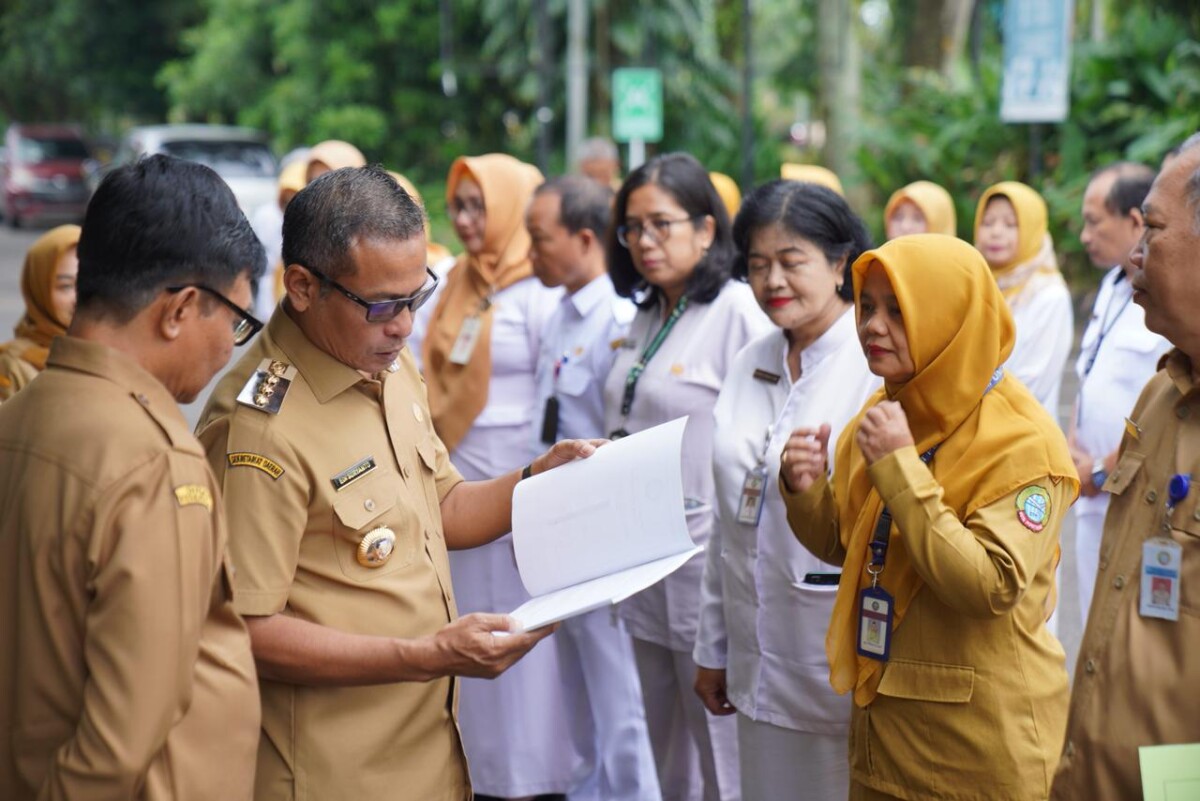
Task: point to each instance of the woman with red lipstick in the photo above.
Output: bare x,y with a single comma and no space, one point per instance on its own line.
944,511
765,601
1011,232
670,250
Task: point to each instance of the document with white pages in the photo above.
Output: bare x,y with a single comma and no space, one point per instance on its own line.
596,531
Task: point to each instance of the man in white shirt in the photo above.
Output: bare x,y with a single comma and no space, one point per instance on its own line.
1118,355
567,220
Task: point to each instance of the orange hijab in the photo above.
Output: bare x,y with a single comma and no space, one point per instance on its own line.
933,201
1034,264
988,445
40,324
434,252
458,392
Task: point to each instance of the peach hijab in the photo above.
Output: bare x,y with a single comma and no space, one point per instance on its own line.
458,392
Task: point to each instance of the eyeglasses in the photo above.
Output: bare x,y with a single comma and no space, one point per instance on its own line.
245,326
658,228
382,311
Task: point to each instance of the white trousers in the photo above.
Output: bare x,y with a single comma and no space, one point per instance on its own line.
1089,530
695,752
597,647
779,763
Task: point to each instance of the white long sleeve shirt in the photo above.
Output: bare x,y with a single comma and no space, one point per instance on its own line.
759,617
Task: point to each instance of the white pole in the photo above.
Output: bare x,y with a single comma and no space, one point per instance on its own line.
637,153
577,79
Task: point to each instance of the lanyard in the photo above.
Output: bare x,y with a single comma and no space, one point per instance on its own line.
883,528
1106,325
639,367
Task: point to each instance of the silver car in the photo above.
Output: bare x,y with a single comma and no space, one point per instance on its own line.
241,156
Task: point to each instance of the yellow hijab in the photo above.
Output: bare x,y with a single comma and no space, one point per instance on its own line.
335,154
433,251
729,192
933,201
988,445
811,174
1034,263
41,324
458,393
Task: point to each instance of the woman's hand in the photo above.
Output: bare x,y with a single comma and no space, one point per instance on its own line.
568,450
805,457
883,429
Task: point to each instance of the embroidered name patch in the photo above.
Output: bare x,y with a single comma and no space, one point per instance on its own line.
257,461
353,473
194,495
1033,507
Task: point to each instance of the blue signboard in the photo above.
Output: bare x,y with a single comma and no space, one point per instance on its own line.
1037,60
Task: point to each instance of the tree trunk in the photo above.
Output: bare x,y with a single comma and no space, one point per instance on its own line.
936,33
840,83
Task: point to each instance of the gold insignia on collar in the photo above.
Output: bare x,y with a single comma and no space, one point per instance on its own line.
267,387
194,495
257,461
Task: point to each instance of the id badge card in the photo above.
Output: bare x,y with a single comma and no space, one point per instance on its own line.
468,336
875,623
753,488
1161,561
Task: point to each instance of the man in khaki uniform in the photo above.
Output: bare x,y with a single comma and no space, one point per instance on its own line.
337,490
125,672
1137,677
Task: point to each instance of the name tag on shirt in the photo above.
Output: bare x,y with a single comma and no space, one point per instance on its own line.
468,336
1161,559
751,505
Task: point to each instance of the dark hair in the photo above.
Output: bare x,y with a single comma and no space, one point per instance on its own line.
1130,188
158,222
813,212
335,212
686,180
585,203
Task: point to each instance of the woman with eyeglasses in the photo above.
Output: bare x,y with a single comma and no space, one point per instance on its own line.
670,250
766,601
480,352
48,286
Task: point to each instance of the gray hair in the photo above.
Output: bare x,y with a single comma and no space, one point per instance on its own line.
1193,182
598,148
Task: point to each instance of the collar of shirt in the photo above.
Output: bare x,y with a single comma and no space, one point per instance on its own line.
1179,369
85,356
829,343
325,375
588,297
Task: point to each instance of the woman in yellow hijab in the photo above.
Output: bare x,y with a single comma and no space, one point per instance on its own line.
944,509
480,354
730,193
48,286
1011,232
812,174
922,207
330,155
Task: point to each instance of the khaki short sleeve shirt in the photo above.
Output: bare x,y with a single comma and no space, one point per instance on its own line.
315,474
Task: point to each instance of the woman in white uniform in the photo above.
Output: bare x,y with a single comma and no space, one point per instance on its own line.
766,600
480,352
670,250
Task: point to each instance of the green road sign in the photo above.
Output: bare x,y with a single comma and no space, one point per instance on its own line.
637,105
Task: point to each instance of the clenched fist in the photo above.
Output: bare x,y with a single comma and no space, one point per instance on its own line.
805,457
883,429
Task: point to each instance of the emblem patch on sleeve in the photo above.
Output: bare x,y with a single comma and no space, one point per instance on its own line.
1033,507
194,495
257,461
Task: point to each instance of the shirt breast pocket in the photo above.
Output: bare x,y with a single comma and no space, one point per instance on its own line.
572,381
365,514
1127,470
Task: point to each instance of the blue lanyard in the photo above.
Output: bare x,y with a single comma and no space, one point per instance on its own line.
883,528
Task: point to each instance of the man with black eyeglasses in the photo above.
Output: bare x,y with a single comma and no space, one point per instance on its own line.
342,505
125,670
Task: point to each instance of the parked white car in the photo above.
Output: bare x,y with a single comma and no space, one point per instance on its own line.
241,156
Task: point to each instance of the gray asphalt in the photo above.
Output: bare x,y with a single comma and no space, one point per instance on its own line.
12,253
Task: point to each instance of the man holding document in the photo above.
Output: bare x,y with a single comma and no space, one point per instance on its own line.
342,504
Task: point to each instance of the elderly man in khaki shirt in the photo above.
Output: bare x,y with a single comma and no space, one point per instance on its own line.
1138,675
125,672
342,504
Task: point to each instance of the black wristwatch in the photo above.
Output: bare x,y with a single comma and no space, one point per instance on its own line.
1099,474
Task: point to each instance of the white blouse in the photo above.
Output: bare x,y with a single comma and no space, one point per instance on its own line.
1045,326
759,617
683,378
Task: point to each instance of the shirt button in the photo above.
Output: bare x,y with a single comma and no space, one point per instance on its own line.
1183,411
369,505
1119,582
1103,564
1069,750
404,471
142,399
1090,666
1151,496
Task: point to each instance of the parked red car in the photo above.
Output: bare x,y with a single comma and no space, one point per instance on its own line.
43,174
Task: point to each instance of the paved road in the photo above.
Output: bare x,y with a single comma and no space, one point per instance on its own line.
12,251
